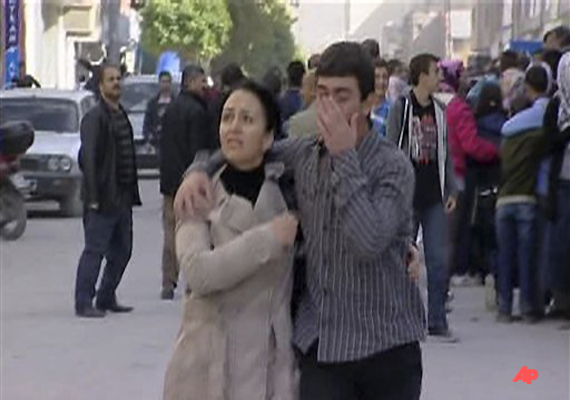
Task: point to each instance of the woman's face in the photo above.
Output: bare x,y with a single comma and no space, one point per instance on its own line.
243,133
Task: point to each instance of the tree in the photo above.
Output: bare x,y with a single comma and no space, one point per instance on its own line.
260,37
196,29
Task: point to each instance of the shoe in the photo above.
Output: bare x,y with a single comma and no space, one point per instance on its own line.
443,335
114,307
89,312
504,318
532,318
167,294
464,281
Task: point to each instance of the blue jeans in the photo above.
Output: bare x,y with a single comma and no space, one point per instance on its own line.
108,235
434,224
517,240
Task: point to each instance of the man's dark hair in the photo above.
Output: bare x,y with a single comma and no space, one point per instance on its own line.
231,75
561,33
490,100
380,63
420,65
190,72
552,58
348,59
314,61
537,78
268,102
295,73
106,66
372,47
509,59
164,74
273,81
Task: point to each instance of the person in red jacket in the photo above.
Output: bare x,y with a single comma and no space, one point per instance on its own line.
465,144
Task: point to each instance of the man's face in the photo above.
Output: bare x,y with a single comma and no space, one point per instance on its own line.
381,79
552,42
111,85
165,84
198,85
346,93
432,80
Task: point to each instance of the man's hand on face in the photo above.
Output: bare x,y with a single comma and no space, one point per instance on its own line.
194,197
337,134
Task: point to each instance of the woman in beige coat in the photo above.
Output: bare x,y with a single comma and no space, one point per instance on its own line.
235,339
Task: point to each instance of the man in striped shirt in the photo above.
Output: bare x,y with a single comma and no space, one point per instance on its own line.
360,318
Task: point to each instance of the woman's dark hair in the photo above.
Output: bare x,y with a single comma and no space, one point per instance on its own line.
268,103
490,100
348,59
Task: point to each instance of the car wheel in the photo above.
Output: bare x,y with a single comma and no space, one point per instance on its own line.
72,205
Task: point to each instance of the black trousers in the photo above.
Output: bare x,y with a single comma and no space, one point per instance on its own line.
395,374
108,235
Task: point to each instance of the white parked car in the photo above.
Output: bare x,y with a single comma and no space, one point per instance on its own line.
51,164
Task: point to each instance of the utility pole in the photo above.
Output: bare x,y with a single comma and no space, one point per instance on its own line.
447,19
113,47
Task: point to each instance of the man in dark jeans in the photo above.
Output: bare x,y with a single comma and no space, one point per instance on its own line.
360,317
417,124
110,190
156,108
186,129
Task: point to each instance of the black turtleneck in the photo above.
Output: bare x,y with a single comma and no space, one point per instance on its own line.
246,184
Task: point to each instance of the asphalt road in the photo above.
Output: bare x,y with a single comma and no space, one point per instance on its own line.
49,354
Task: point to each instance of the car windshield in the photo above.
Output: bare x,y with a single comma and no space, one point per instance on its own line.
136,95
54,115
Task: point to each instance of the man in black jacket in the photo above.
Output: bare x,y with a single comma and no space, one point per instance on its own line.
156,108
186,129
110,190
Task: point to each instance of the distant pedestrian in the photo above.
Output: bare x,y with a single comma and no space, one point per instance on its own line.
418,125
304,123
156,108
186,129
24,80
291,101
110,190
382,104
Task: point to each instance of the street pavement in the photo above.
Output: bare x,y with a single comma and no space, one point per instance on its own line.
49,354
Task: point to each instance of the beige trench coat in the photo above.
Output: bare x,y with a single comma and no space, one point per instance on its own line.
235,339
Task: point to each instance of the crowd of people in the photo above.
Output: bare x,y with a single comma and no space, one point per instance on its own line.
295,214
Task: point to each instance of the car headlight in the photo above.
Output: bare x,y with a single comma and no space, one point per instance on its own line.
53,164
65,164
59,164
